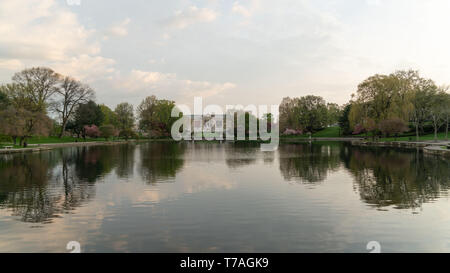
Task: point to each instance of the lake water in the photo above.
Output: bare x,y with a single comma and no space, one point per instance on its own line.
210,197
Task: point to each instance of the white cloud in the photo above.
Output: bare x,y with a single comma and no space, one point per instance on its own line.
189,16
238,8
41,29
299,47
119,30
44,33
168,85
11,64
138,80
86,68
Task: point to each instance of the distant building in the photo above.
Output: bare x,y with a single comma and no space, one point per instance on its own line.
207,122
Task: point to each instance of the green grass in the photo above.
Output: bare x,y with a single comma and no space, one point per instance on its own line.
331,132
51,140
328,132
48,140
2,145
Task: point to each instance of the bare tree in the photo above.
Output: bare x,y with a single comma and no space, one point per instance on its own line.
72,93
39,84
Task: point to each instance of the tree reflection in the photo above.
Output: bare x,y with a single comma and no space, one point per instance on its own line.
241,154
94,162
76,190
161,161
23,186
394,177
125,157
307,162
40,187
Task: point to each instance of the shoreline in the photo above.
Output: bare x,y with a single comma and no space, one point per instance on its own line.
50,146
315,139
429,147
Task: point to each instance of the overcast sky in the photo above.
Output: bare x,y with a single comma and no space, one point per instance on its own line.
229,52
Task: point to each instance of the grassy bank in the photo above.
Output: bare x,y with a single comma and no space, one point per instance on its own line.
52,140
331,132
441,136
334,132
48,140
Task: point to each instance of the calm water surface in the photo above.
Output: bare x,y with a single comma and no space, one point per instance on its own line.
206,197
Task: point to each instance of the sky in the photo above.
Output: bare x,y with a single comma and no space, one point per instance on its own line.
228,52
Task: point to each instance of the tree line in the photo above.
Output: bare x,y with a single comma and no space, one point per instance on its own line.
307,114
384,105
35,95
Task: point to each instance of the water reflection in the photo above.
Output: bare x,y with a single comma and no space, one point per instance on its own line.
38,188
160,162
91,163
76,191
241,154
400,178
308,163
126,159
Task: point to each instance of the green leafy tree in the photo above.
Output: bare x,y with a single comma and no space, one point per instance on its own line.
155,116
439,111
23,117
384,97
107,131
422,91
109,116
288,117
312,113
344,122
307,114
4,101
87,114
127,134
333,113
447,115
38,84
125,116
18,97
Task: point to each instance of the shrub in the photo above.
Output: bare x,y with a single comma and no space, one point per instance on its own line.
393,126
108,131
359,129
291,132
128,133
91,131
